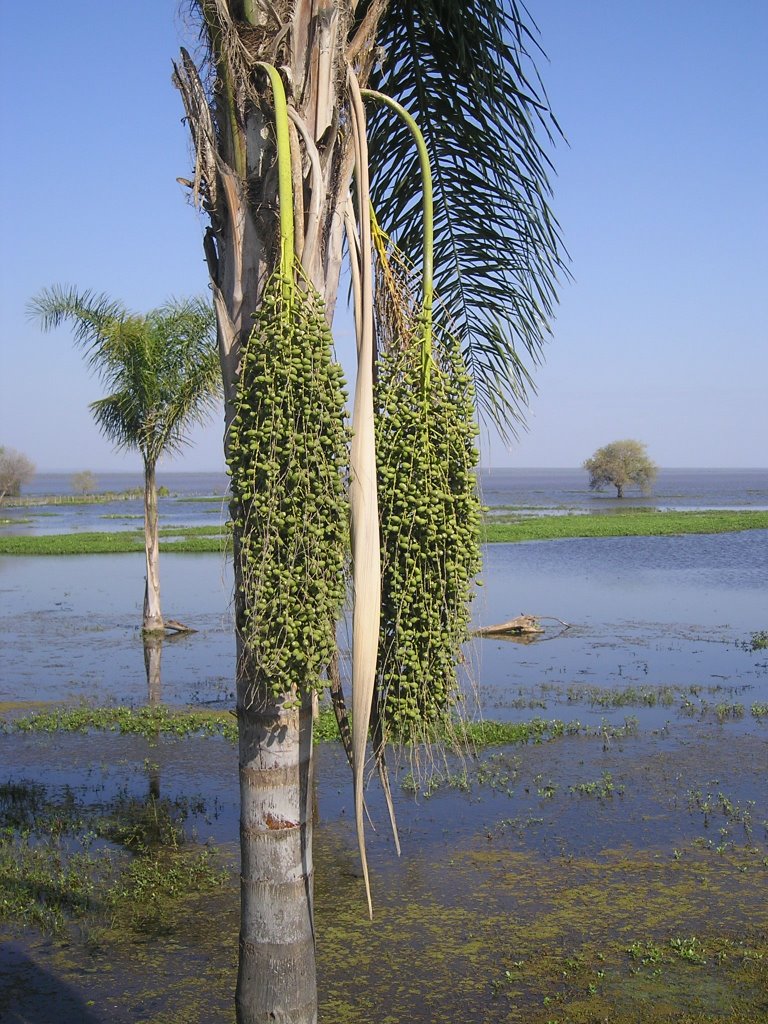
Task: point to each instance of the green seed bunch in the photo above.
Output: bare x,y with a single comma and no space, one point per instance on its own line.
430,516
287,453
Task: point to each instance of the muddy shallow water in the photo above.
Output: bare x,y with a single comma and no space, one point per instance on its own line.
518,894
616,872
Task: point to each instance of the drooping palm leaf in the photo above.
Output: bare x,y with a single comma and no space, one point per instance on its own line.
92,317
463,69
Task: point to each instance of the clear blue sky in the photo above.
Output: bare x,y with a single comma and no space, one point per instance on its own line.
661,194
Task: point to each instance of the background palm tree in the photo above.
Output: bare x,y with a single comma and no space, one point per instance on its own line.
463,67
161,372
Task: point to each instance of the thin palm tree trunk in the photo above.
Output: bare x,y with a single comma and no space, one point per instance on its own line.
153,616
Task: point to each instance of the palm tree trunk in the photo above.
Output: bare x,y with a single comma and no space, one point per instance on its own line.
276,975
153,616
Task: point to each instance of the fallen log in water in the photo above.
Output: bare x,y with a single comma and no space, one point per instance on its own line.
522,624
178,627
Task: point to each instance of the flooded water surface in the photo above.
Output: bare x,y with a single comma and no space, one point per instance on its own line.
613,867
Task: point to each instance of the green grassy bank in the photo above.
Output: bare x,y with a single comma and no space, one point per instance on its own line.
506,529
633,523
185,539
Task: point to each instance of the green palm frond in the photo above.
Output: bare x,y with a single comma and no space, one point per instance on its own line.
118,418
93,317
463,68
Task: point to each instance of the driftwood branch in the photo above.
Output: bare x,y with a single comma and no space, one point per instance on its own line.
517,627
178,627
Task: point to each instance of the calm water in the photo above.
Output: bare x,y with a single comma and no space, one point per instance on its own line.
661,610
674,489
195,499
545,488
188,484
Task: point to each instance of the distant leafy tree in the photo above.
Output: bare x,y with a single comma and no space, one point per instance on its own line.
621,464
84,483
15,471
161,371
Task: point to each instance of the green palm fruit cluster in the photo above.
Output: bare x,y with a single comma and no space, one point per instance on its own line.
430,518
287,452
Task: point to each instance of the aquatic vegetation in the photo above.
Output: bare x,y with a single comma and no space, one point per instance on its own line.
725,710
149,896
601,788
646,952
181,539
537,730
498,772
39,887
734,812
631,524
55,867
143,825
150,722
616,697
529,528
651,918
689,950
625,960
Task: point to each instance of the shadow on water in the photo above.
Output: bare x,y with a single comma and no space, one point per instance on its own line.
29,994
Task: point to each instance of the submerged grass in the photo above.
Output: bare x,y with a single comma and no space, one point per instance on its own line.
514,937
142,888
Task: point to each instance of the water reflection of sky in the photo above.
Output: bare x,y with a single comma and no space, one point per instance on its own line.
664,611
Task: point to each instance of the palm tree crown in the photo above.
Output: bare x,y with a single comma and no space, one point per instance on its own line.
160,369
